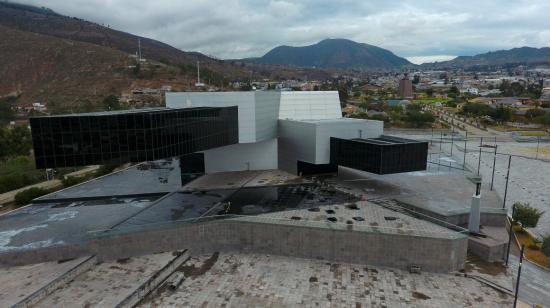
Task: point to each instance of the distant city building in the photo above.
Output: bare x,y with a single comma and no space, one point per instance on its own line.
405,88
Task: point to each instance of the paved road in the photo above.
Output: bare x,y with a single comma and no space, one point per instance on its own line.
534,287
8,197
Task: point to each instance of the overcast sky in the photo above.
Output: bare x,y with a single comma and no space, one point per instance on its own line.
418,29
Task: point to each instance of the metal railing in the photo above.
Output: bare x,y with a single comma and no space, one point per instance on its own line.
356,227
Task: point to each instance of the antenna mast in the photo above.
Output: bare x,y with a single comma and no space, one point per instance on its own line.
139,49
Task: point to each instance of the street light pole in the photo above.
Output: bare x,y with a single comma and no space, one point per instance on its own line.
519,275
507,178
510,234
479,158
452,139
494,164
465,146
538,143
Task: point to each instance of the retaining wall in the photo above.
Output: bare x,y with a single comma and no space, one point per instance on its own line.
344,245
392,250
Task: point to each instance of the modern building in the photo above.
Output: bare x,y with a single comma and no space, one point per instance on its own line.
405,88
228,131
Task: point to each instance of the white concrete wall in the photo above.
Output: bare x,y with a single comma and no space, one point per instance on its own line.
296,142
243,156
310,105
267,114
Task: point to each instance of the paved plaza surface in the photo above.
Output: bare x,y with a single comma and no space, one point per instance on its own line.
368,217
253,280
529,177
441,190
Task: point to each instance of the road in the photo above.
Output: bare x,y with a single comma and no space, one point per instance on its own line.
534,287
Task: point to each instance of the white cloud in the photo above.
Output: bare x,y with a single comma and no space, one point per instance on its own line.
429,59
245,28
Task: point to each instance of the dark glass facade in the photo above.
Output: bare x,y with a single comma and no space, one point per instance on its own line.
130,136
305,168
384,155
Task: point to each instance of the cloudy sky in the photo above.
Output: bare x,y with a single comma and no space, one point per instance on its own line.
418,29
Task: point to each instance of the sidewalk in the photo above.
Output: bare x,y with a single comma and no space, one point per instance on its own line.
9,196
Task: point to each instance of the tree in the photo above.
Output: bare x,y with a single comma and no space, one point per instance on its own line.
6,109
531,114
419,119
430,92
111,102
527,215
453,92
501,114
545,249
343,95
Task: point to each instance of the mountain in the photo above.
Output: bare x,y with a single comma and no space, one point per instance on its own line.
335,54
72,64
71,76
45,21
515,56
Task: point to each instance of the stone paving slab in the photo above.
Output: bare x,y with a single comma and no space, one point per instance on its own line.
20,281
250,280
108,283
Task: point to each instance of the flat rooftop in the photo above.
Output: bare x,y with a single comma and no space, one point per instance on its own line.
387,140
117,112
158,177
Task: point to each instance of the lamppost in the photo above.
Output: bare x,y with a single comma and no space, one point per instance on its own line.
519,275
510,234
465,146
507,178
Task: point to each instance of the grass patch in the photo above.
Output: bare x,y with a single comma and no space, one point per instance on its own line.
533,134
531,253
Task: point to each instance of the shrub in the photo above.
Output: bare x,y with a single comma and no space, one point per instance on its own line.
27,195
527,215
69,181
105,169
535,244
546,246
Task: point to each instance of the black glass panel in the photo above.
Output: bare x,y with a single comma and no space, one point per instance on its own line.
384,155
131,136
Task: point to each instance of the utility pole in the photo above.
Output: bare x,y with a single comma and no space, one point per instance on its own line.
519,275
